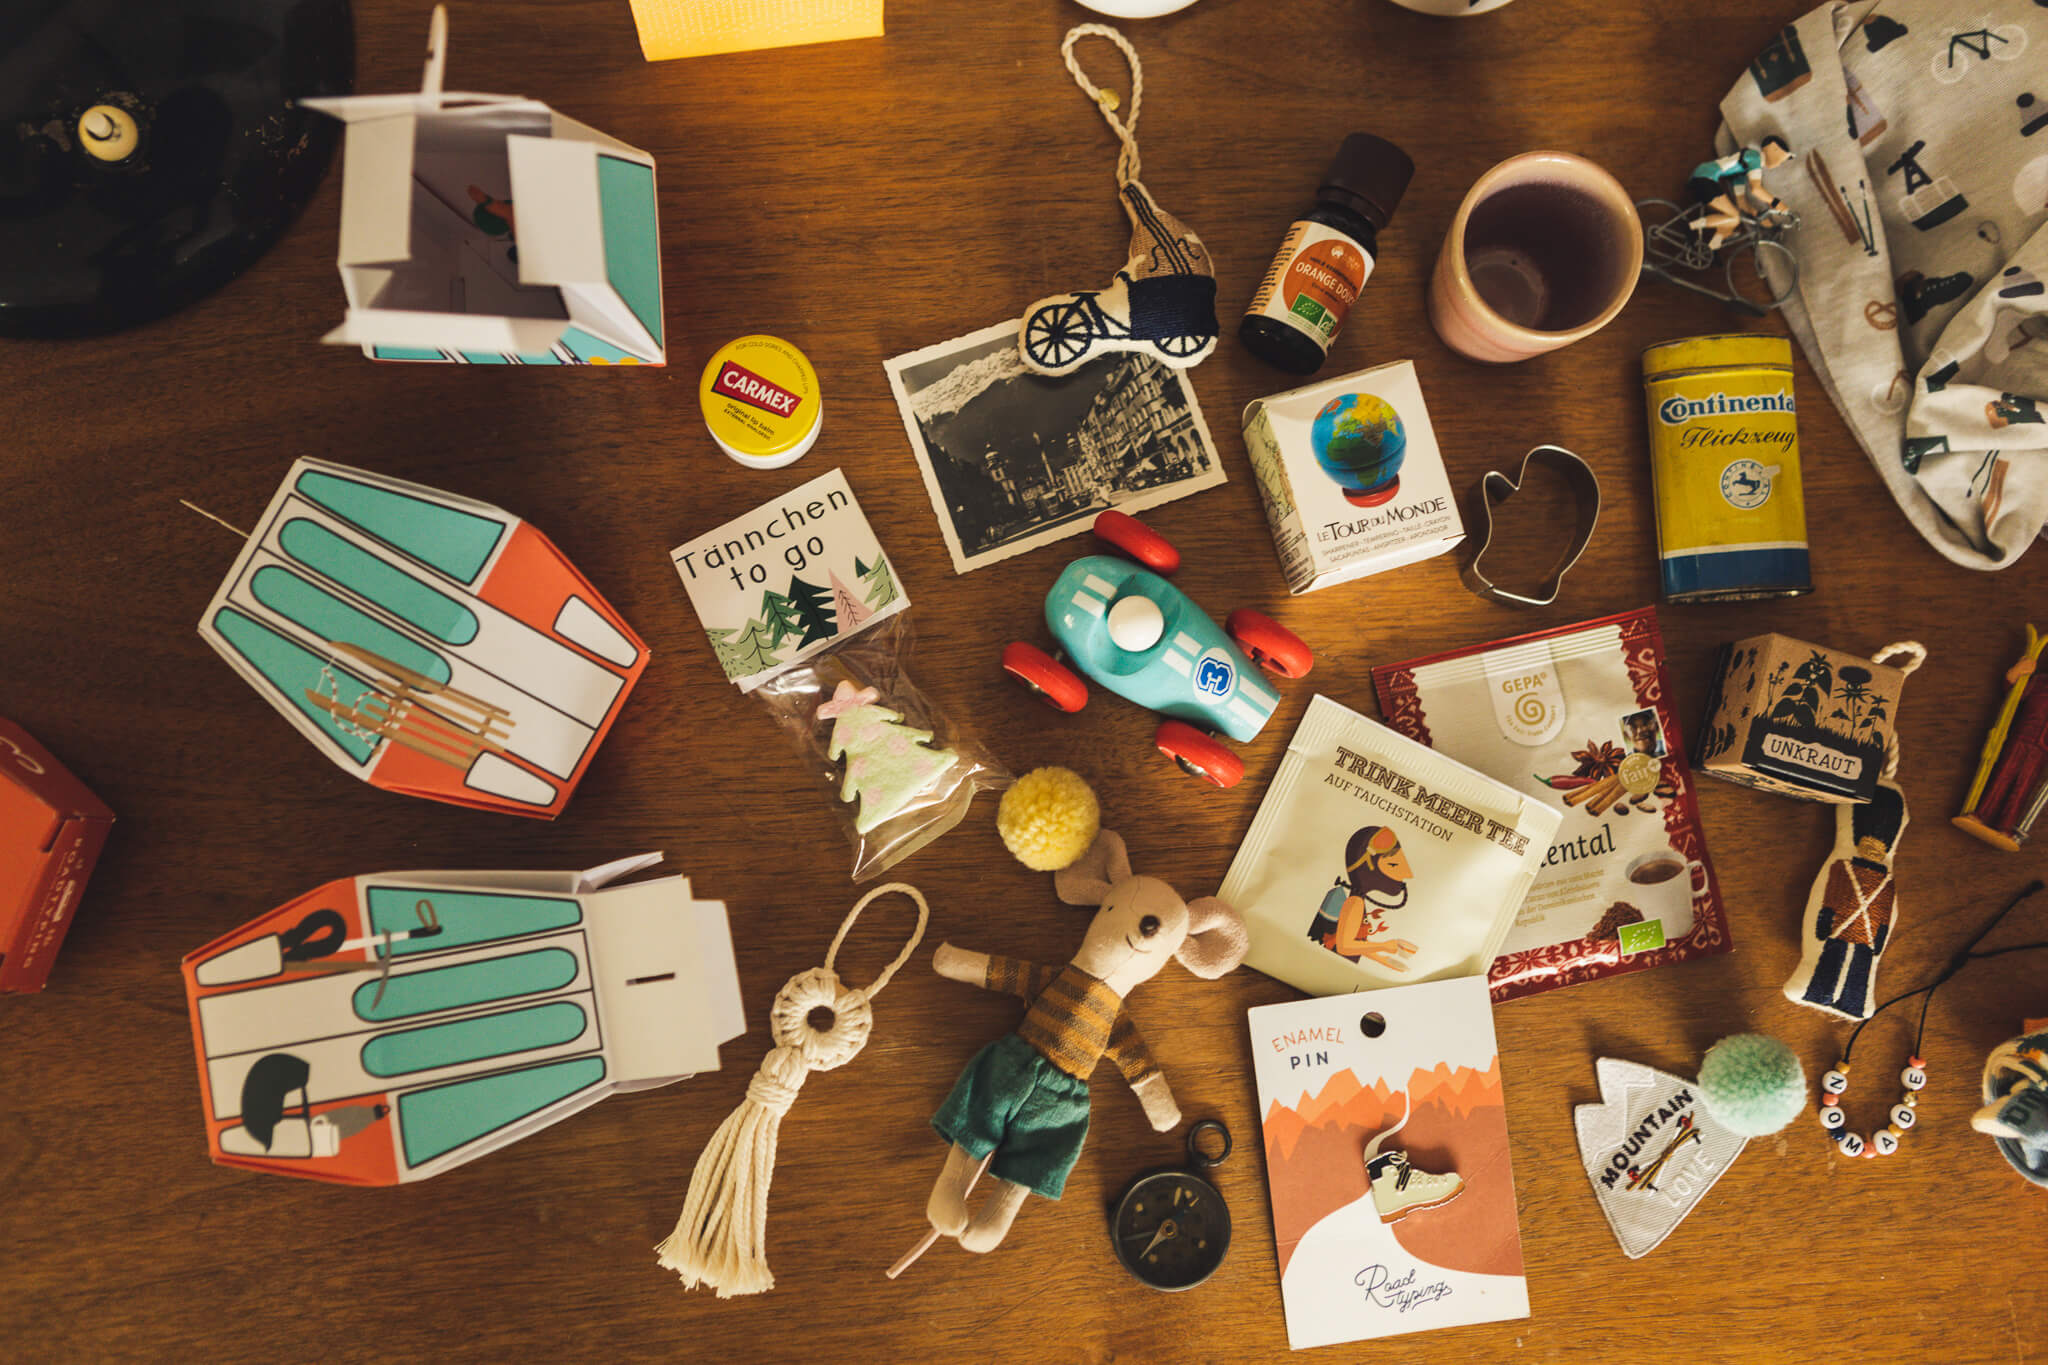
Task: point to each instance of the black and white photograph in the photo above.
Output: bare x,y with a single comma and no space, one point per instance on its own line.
1013,460
1642,732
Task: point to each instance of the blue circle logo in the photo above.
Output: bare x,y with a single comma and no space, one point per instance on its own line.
1746,484
1214,676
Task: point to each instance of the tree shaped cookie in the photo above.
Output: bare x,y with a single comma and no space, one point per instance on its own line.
887,763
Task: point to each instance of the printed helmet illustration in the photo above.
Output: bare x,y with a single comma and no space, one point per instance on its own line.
1359,442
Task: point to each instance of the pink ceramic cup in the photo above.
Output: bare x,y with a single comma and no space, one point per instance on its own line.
1545,250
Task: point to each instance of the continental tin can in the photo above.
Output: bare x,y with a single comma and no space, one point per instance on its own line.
1724,457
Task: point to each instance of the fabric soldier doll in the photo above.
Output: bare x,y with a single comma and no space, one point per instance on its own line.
1020,1109
1849,912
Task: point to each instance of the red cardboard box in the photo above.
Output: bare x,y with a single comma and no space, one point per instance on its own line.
51,831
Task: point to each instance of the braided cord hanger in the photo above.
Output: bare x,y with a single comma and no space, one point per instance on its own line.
819,1023
1126,129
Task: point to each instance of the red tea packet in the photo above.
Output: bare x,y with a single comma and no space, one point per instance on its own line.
1581,718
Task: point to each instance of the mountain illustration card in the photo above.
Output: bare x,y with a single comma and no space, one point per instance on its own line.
426,642
1651,1150
796,575
1387,1160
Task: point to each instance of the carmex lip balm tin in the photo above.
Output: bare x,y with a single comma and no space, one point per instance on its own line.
1724,455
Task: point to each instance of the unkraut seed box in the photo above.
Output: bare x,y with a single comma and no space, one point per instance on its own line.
1351,477
1798,719
51,831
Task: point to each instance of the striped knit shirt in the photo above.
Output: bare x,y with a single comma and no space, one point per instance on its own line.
1073,1018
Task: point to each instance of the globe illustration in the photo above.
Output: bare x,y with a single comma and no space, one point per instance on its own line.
1359,441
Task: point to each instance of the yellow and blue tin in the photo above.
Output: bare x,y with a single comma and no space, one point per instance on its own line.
1724,456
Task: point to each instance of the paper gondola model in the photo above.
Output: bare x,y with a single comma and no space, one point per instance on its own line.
386,1028
491,230
428,643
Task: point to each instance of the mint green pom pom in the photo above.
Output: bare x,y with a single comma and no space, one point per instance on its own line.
1752,1084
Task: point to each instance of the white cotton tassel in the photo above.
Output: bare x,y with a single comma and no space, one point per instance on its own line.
721,1239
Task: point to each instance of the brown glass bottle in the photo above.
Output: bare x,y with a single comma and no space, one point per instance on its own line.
1326,256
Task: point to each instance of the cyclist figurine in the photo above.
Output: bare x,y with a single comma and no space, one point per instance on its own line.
1162,302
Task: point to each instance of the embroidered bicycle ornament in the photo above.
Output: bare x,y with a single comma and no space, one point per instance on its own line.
1163,302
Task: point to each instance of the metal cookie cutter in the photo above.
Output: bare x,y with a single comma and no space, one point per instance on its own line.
1496,487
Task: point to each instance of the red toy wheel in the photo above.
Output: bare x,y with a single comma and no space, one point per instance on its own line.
1135,540
1271,645
1052,680
1199,754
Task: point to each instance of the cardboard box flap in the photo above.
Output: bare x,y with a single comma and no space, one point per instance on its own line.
566,127
446,332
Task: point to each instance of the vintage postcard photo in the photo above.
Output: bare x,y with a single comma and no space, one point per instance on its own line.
1014,460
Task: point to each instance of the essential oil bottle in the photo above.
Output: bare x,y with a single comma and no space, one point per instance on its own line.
1325,257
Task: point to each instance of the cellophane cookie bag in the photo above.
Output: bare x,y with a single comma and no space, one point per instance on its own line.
1374,861
1580,718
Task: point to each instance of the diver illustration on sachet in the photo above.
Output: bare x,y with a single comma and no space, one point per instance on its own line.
1359,442
1351,922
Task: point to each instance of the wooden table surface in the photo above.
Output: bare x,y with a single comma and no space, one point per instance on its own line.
865,199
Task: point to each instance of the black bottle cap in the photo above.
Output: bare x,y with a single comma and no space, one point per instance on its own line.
1369,174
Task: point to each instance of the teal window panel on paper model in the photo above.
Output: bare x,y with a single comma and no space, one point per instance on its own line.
542,358
293,671
436,1121
587,348
465,917
432,989
632,242
486,358
390,587
455,542
410,1051
407,353
323,614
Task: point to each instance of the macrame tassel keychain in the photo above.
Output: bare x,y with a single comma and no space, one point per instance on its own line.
1852,908
819,1023
1163,302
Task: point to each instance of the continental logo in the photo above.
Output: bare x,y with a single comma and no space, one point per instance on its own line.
1675,411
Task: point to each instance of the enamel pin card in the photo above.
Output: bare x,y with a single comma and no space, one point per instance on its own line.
425,642
386,1028
1387,1159
491,230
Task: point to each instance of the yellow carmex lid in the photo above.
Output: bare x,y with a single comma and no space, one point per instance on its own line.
761,401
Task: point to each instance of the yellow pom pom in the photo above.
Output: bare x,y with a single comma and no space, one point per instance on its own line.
1049,818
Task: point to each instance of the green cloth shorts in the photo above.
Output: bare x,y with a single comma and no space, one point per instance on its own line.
1012,1101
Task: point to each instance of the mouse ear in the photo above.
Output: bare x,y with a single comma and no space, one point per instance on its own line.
1086,881
1217,939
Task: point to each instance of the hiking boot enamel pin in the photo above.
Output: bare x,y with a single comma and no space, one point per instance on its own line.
1398,1187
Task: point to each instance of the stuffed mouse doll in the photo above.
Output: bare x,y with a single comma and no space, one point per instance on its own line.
1020,1109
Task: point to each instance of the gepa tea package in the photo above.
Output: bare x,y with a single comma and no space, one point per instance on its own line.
1580,718
1374,861
1387,1156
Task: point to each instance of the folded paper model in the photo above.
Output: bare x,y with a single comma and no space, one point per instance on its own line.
386,1028
425,642
491,230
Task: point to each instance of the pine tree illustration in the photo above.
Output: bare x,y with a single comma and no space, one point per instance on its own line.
887,763
746,651
881,583
781,615
811,609
850,611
